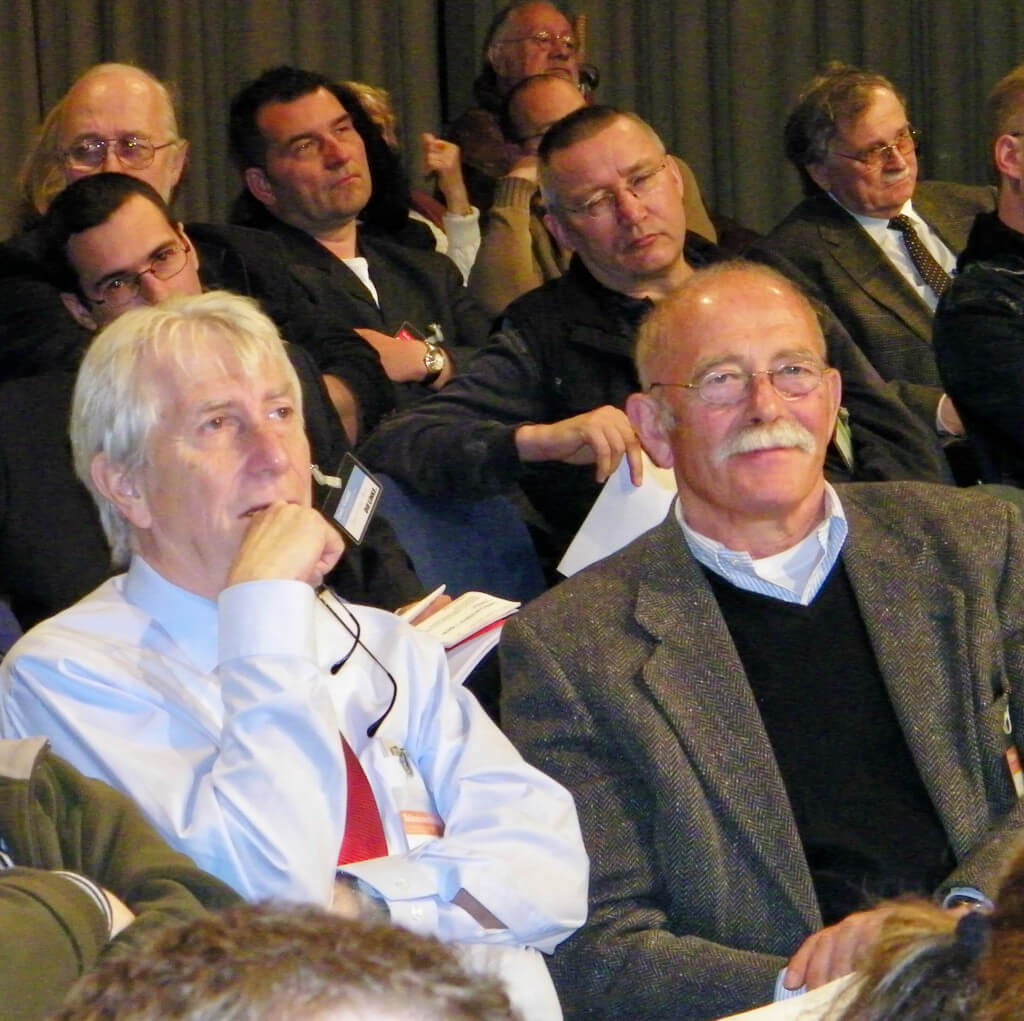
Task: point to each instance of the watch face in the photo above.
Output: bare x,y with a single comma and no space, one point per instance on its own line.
433,360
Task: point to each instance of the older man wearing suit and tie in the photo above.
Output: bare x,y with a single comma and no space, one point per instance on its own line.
782,703
878,245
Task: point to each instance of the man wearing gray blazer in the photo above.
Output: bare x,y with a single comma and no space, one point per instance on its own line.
784,702
856,151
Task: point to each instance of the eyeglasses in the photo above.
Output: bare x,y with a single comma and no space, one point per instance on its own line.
731,385
130,150
605,204
876,156
545,40
119,290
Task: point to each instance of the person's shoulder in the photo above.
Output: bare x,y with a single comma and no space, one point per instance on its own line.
936,514
227,234
214,241
809,211
101,614
558,300
968,197
22,253
604,590
801,234
990,278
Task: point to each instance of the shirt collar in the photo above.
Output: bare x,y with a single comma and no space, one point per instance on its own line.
876,225
189,620
793,575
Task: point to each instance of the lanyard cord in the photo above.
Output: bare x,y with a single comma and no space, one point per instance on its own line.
356,634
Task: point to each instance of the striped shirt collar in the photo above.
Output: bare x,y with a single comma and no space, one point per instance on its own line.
795,575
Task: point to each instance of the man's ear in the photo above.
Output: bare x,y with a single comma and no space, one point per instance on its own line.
676,173
119,486
259,185
558,231
834,381
648,418
1006,156
819,175
79,311
179,161
193,253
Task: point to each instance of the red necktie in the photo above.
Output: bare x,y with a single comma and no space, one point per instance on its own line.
364,834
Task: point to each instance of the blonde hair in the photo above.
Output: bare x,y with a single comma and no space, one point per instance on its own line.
376,102
1006,103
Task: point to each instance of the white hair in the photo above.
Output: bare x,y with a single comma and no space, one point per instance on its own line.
115,405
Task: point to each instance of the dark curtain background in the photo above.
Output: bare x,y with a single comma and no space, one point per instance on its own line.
715,77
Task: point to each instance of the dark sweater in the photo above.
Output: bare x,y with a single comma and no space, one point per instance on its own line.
866,822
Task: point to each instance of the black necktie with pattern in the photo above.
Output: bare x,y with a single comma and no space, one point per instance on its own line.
931,272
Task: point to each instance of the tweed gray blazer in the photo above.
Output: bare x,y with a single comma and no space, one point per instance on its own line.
623,684
882,312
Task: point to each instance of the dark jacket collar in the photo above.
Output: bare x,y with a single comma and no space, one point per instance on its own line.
697,251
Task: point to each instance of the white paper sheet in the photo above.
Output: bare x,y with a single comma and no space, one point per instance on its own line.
621,512
819,1004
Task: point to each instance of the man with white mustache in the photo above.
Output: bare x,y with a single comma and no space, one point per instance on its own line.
785,702
766,437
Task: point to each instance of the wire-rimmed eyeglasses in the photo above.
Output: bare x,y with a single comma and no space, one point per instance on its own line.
606,203
545,40
131,151
123,288
876,156
732,385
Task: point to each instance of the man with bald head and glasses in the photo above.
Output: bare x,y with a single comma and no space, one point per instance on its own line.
784,702
524,38
114,117
878,245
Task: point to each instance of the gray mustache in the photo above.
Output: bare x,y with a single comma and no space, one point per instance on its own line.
784,433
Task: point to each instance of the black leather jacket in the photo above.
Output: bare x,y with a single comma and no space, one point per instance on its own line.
979,347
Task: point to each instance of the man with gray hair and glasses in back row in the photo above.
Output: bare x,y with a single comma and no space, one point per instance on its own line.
878,245
297,745
782,703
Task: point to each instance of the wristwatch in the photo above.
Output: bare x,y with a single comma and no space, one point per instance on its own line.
434,362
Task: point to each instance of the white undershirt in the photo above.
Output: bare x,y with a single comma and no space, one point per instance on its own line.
361,268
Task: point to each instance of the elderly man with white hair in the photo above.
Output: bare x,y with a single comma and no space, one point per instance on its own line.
294,744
